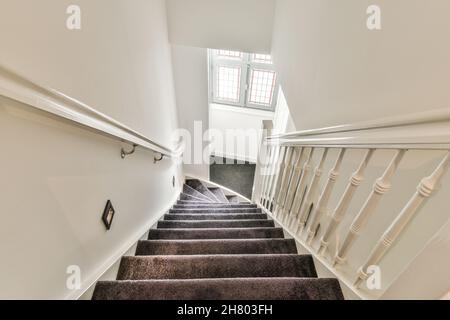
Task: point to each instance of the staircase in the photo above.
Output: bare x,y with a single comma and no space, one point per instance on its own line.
210,246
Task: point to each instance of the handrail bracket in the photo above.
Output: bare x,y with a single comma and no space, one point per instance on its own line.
161,157
124,153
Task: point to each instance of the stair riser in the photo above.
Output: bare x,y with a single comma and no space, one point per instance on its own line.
204,267
191,234
202,247
245,216
216,224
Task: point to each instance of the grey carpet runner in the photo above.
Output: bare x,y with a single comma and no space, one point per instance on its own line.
210,246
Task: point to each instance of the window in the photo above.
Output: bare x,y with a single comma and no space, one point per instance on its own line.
242,79
229,54
228,83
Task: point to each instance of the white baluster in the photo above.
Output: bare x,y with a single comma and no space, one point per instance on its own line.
300,192
279,178
287,205
262,166
341,209
287,171
274,177
311,193
424,191
381,187
288,182
322,204
266,169
272,172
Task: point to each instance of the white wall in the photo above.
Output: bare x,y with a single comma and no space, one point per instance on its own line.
334,70
56,177
190,68
433,263
243,25
283,122
236,132
119,62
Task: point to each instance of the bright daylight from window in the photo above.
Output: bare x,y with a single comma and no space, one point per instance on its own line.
243,79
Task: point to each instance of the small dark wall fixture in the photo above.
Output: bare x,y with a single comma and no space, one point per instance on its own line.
108,215
173,181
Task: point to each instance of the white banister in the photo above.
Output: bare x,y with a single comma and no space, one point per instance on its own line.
301,188
298,199
424,191
342,207
287,171
322,204
381,187
311,193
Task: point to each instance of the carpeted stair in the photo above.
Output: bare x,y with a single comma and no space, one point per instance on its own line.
210,246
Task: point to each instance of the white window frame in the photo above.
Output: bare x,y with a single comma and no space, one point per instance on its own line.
247,65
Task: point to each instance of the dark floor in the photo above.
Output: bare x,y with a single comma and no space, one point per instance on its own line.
234,175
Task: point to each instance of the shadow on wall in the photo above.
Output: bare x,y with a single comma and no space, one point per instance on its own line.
235,175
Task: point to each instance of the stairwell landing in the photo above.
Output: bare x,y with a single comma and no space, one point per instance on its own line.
213,247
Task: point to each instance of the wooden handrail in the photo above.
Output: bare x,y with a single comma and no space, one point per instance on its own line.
19,88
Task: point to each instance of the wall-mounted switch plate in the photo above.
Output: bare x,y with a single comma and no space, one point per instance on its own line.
108,215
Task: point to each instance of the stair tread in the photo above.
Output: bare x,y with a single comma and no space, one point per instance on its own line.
213,206
216,266
236,216
188,197
200,187
221,289
216,246
217,210
191,191
233,199
215,224
216,233
219,194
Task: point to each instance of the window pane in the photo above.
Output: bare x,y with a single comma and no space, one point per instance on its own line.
228,83
262,58
229,54
262,85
